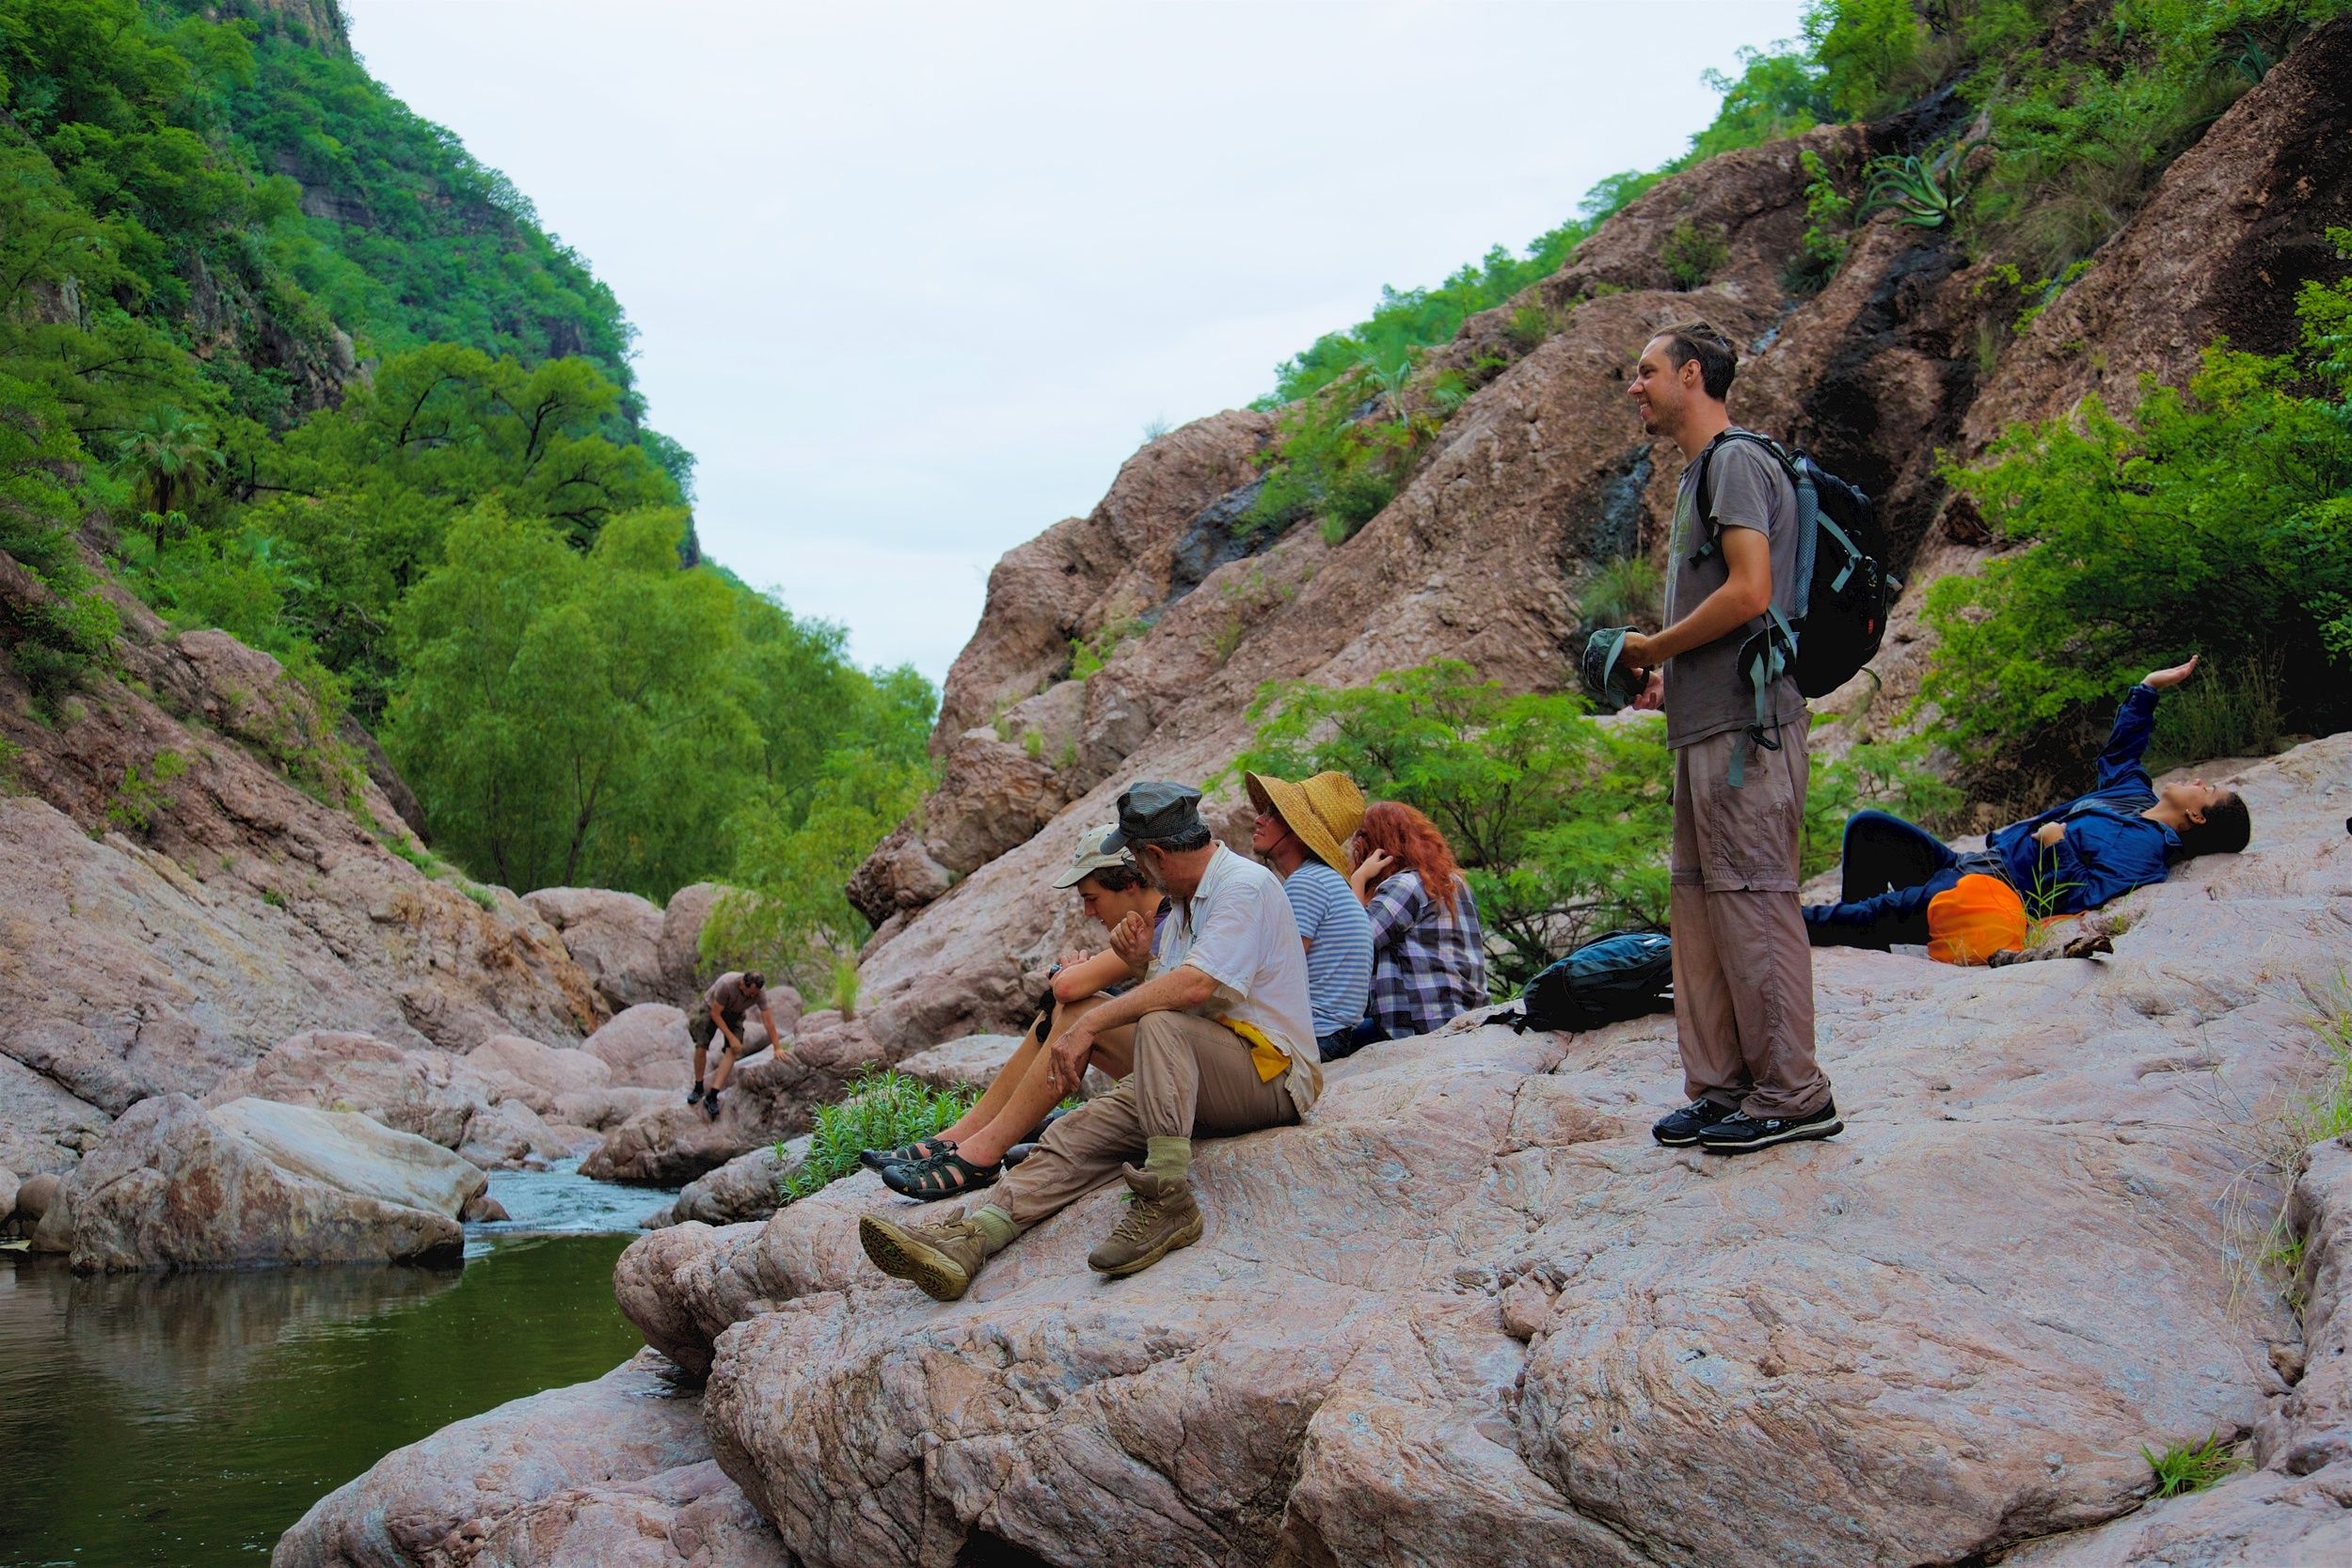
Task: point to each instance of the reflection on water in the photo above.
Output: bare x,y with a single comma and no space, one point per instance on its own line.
189,1418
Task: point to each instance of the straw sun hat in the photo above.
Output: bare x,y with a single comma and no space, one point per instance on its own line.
1325,811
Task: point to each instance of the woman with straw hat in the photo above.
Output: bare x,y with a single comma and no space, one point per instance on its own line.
1301,832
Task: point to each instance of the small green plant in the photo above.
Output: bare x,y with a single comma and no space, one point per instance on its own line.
842,993
2236,714
1225,640
1033,742
1089,654
11,754
1531,325
1154,428
142,798
2192,1466
274,898
1622,593
1067,758
1924,193
1829,217
1693,255
882,1110
482,896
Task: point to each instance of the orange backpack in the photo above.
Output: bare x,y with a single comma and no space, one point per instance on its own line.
1974,919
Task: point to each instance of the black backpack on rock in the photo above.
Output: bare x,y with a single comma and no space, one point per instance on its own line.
1621,975
1843,592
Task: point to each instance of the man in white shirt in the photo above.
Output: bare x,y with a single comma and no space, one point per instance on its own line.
1225,1044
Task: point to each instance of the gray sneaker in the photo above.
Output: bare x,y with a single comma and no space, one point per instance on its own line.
1161,1216
941,1257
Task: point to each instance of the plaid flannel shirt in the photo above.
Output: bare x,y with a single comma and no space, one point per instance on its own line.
1428,967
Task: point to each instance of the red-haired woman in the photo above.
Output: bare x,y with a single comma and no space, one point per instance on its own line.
1429,954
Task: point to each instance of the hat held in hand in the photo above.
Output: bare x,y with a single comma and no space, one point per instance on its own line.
1323,811
1607,676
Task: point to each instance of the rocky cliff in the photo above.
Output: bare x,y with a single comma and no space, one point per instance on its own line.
1469,1313
1539,477
192,870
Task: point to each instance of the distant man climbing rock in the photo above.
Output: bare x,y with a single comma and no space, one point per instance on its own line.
724,1006
1742,968
1224,1044
2075,856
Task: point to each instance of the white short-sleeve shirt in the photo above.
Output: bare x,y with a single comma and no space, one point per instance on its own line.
1238,929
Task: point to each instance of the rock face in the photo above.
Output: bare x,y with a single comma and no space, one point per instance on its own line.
174,1187
173,903
683,972
426,1092
354,1153
1469,1312
970,1063
538,1075
615,938
745,1188
628,1484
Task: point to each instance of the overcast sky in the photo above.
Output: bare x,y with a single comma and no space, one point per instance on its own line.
911,280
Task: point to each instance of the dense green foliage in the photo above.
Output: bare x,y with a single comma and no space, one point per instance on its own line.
1561,822
883,1110
2216,521
473,542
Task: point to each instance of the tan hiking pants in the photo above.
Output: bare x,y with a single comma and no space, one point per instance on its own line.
1192,1079
1742,964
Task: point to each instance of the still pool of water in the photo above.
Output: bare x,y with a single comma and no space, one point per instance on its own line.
188,1419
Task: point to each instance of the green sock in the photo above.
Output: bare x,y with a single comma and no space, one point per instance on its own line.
1170,1157
997,1227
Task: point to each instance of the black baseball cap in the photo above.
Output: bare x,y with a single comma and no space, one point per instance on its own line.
1154,812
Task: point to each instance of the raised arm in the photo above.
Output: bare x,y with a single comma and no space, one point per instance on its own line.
2134,722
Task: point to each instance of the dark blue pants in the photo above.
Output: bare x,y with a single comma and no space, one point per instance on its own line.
1891,869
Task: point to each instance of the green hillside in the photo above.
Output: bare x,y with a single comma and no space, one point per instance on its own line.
296,366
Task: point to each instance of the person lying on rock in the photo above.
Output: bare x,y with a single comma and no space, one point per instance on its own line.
1301,833
971,1152
730,996
1429,953
2076,855
1224,1044
1742,970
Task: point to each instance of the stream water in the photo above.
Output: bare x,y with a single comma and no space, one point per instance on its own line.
188,1419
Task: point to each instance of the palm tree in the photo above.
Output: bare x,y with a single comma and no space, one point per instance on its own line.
169,459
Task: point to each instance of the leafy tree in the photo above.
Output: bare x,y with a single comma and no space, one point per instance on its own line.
2214,521
1561,822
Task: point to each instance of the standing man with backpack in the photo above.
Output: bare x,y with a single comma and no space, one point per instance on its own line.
1723,670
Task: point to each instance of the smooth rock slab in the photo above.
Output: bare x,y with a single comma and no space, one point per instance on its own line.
615,937
426,1092
172,1187
610,1472
360,1155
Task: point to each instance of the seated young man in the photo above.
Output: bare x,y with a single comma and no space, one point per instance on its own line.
1224,1044
971,1152
2124,834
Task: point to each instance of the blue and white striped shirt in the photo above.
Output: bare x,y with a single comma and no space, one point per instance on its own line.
1339,957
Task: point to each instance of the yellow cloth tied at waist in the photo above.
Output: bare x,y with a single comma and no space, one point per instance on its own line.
1270,1059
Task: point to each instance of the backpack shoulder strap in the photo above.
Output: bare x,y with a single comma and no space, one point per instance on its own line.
1788,465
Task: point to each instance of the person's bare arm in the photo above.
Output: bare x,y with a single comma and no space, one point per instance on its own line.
1089,975
1746,593
1181,990
768,1019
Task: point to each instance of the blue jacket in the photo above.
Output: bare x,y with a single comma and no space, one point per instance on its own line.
2110,848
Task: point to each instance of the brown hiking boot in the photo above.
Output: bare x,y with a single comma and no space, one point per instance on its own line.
1161,1216
940,1258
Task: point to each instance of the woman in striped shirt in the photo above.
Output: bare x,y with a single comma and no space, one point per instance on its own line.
1429,955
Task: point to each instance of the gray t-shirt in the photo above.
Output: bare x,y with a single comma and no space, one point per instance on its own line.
1704,693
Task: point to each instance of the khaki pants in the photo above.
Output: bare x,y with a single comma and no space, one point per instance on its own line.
1193,1078
1743,965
